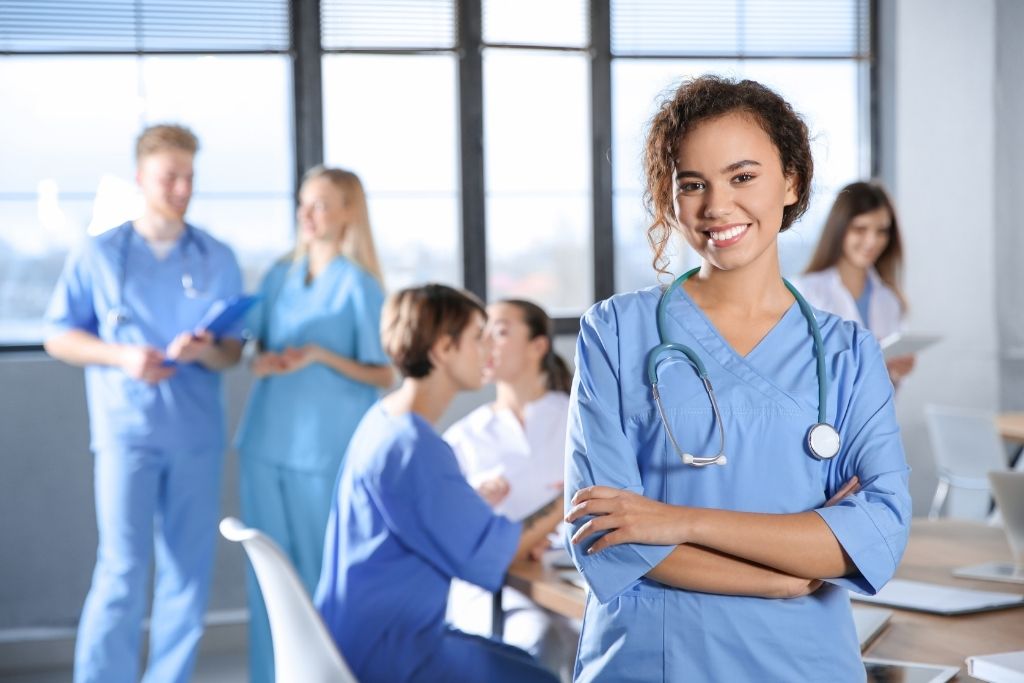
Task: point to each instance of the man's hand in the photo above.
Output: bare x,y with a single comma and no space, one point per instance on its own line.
145,364
188,347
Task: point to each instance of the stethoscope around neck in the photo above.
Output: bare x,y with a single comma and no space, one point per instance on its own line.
822,438
119,314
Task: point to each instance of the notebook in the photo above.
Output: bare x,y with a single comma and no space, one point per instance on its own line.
1008,490
936,599
897,345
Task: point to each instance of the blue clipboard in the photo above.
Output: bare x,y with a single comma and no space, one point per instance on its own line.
225,313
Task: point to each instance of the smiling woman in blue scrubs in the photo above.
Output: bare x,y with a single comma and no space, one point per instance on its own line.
126,307
405,522
736,570
319,366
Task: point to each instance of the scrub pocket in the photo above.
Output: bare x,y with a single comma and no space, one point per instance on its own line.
634,622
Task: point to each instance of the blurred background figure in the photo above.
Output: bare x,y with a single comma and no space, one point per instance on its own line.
512,451
319,366
856,269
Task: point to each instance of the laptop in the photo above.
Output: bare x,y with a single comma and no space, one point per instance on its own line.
1008,490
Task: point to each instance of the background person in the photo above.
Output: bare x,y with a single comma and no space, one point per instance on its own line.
405,522
857,267
125,308
319,367
520,438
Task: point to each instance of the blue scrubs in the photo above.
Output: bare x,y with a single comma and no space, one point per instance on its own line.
158,449
636,629
297,425
404,522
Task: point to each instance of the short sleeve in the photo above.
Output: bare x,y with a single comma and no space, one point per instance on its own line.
71,305
369,302
598,453
427,504
872,525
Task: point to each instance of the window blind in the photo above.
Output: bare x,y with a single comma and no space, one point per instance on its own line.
387,24
741,28
32,26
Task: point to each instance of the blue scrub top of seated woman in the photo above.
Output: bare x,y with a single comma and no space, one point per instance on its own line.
303,420
404,522
637,629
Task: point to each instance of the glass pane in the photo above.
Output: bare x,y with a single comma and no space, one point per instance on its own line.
368,24
70,154
537,174
825,92
564,23
408,162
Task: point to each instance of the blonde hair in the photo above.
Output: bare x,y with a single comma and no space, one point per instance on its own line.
165,136
357,240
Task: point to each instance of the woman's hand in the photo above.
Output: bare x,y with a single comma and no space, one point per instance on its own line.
628,517
899,368
296,358
267,363
493,490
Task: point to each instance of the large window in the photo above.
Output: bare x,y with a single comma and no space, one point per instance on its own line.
499,140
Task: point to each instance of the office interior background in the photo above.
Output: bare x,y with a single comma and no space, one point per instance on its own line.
499,143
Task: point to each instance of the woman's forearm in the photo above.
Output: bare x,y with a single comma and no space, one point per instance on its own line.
704,570
799,544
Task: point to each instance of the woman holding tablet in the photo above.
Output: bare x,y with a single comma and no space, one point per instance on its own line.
319,367
856,269
718,427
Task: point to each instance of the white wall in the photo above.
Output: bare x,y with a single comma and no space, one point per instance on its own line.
945,193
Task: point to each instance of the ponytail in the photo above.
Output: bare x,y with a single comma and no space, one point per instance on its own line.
559,377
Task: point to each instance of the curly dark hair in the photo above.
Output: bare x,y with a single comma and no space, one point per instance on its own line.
707,97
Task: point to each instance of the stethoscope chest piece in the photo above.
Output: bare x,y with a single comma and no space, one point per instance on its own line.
823,440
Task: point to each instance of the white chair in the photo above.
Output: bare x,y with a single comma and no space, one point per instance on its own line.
304,651
966,446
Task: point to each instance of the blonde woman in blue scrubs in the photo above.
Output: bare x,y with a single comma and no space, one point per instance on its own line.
731,568
319,367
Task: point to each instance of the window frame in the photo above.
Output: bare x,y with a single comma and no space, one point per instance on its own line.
306,52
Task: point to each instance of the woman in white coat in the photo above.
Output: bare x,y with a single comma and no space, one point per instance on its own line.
512,452
856,269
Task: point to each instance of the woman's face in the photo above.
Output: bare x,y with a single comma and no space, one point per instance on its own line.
866,238
322,212
466,362
513,353
730,191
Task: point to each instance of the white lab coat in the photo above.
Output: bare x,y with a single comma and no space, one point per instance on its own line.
825,290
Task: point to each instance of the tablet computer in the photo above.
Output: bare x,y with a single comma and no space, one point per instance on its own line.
893,671
935,599
906,344
869,622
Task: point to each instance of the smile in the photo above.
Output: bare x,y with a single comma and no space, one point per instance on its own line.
728,236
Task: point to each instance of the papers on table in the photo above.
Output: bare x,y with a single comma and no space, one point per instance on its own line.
906,344
1005,667
936,599
869,622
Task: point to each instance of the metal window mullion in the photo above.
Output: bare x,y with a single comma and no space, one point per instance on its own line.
601,150
307,86
471,148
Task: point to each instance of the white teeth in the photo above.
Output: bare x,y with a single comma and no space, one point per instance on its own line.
728,234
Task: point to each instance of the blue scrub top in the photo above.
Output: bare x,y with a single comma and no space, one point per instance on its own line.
185,412
864,303
404,522
637,629
303,420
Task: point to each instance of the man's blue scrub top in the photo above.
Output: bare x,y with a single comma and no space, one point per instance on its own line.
185,412
403,523
637,629
303,420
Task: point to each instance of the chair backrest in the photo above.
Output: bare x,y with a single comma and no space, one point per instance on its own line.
1008,488
304,651
966,446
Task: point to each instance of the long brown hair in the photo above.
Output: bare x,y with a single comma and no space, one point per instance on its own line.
539,324
709,97
852,201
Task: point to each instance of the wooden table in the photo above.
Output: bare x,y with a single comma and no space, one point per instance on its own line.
936,547
1011,428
